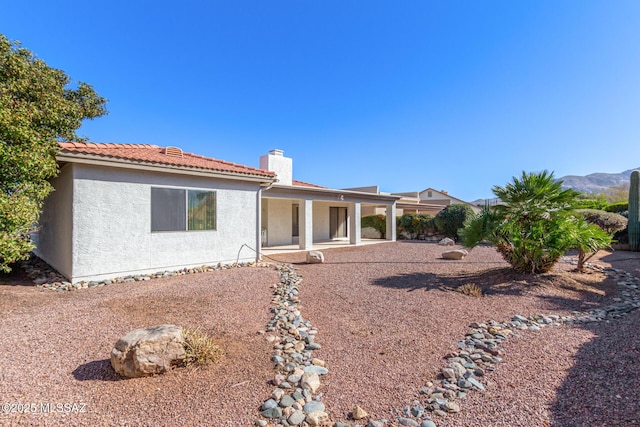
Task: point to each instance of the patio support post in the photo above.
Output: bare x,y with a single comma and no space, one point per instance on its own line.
259,226
355,225
305,220
391,222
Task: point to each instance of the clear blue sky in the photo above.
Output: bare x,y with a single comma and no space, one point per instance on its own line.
454,95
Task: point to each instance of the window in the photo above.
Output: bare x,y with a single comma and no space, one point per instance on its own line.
181,210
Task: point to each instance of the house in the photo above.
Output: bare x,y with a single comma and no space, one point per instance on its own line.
428,201
125,209
296,212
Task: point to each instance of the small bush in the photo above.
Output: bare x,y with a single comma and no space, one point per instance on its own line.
415,224
470,289
617,207
599,204
379,222
450,219
199,348
608,221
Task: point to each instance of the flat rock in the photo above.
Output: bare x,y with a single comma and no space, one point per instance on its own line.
456,254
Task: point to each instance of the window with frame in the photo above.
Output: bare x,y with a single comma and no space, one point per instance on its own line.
175,209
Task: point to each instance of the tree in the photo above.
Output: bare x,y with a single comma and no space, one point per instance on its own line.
450,219
37,109
536,224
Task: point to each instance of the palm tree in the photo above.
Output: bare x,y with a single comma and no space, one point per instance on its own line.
535,225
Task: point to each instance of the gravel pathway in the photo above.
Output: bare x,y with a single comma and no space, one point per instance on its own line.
386,315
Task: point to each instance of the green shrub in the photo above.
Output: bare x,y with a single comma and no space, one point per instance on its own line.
620,208
379,222
535,225
608,221
415,224
599,204
450,219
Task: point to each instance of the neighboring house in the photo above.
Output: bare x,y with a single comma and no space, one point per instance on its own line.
124,209
435,199
428,201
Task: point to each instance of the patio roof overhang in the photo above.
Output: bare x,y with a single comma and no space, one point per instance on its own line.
327,194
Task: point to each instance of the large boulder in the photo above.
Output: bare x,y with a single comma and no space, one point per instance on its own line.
315,257
148,351
457,254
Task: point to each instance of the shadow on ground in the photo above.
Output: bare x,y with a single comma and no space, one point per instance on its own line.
494,281
603,387
98,370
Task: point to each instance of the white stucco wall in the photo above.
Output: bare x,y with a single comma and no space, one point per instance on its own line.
277,219
112,224
282,166
320,221
53,240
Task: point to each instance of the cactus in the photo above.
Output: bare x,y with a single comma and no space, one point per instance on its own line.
634,211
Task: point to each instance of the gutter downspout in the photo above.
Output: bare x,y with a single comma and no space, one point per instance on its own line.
259,219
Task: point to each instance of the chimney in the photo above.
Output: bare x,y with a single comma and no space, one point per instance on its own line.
282,166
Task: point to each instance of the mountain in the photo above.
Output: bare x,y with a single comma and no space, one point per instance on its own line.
595,182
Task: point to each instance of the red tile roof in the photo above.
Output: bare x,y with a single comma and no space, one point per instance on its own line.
305,184
146,153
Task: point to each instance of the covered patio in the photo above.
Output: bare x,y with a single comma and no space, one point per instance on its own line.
302,217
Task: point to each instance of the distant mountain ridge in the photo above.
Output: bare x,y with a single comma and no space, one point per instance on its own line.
595,182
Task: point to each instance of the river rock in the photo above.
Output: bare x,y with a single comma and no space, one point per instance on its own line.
358,413
310,381
318,418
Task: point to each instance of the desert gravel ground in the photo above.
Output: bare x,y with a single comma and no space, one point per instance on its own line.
386,314
55,348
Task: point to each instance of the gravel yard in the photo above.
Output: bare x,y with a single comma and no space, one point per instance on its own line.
386,315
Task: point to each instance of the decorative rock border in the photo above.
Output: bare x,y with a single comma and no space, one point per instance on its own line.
44,276
295,400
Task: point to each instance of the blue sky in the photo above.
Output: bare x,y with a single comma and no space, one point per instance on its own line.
454,95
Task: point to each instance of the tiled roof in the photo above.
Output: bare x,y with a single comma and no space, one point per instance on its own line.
145,153
305,184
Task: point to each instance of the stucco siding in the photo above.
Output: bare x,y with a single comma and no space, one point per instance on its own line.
53,240
112,224
278,220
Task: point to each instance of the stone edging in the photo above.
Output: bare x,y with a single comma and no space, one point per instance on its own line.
295,401
44,276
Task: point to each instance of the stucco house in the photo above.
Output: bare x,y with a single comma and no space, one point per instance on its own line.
123,209
428,201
